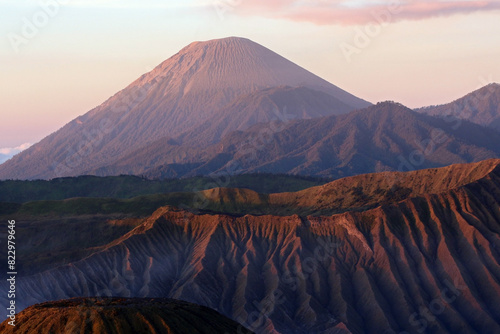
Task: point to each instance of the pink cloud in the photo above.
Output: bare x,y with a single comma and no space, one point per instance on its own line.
328,12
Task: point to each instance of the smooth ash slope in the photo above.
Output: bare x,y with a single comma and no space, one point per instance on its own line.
178,96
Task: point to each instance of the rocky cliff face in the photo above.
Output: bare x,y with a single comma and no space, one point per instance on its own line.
428,263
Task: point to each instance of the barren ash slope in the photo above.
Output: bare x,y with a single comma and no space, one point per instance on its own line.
426,261
203,82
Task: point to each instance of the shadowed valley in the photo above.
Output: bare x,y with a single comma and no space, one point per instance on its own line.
371,264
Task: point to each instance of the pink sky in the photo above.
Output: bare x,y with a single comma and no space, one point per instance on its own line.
420,53
361,12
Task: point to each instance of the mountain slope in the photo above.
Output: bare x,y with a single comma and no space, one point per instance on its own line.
132,186
384,137
179,95
481,107
121,316
278,104
427,263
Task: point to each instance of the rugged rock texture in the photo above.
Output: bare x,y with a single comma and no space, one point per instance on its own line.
121,316
429,263
189,89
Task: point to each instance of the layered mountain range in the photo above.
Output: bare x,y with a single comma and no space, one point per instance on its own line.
381,253
384,137
233,81
232,104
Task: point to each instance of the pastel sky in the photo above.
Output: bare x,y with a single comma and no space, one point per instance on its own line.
83,51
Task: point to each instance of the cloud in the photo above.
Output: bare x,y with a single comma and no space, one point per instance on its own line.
9,152
353,12
130,4
113,4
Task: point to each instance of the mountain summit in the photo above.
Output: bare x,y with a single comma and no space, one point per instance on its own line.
224,69
184,92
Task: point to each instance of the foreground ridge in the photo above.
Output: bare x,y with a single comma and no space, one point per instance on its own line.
121,316
427,263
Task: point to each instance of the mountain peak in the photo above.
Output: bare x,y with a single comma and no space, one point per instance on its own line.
222,70
225,40
229,67
181,94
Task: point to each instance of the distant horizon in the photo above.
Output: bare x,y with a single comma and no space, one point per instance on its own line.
415,54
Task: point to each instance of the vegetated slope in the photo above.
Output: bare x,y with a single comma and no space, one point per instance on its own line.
481,107
121,316
180,94
352,193
428,263
128,186
56,233
384,137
